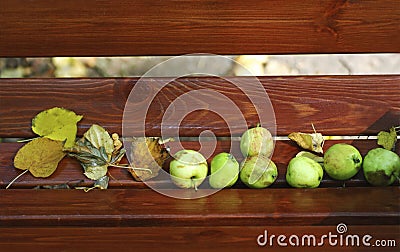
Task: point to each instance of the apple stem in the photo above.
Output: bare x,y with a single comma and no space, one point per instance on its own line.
194,185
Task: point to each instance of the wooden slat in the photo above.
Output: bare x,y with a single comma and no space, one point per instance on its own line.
337,105
69,171
51,28
230,207
189,238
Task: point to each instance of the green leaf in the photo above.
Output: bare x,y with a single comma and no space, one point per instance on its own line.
94,163
387,139
95,151
102,182
100,138
40,156
57,124
96,172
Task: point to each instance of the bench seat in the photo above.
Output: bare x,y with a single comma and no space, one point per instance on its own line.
129,210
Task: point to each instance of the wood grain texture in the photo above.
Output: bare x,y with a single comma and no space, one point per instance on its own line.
337,105
188,238
97,28
233,207
70,172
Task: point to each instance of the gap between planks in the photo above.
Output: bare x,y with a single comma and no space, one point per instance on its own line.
276,138
194,138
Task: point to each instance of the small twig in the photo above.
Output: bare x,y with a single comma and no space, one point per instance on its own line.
86,189
17,177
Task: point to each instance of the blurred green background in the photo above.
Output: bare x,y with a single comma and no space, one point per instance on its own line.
257,65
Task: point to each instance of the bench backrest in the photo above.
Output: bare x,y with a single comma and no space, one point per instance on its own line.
100,28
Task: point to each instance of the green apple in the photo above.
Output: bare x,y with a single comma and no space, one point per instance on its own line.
342,161
188,169
224,170
258,172
256,141
381,167
303,172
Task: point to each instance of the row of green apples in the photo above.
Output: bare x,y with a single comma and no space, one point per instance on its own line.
341,162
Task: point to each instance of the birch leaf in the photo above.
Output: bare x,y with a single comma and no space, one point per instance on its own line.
57,124
40,156
313,142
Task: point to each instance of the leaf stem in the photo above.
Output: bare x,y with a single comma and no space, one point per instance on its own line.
27,140
17,177
126,166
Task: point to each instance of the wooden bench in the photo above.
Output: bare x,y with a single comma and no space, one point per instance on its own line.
131,216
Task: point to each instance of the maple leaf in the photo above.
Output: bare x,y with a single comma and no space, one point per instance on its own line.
95,151
147,154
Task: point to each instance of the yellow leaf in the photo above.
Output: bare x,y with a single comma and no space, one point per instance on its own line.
40,156
57,124
313,142
148,155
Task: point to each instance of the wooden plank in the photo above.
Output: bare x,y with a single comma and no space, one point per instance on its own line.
230,207
97,28
337,105
70,172
193,238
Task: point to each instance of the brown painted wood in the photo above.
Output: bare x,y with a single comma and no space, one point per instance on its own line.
337,105
96,28
70,172
229,207
187,238
142,219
